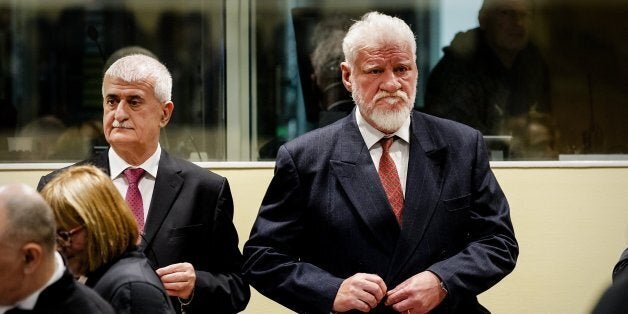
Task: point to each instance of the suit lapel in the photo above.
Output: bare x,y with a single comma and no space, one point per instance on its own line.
353,167
167,186
423,188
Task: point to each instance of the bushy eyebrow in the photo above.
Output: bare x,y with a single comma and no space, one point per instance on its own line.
129,97
370,66
135,97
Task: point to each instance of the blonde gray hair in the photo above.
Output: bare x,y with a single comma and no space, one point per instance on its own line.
85,196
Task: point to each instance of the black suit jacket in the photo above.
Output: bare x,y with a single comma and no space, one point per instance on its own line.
190,219
131,285
621,265
325,217
614,300
66,296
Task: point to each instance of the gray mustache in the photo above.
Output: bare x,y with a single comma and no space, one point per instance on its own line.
117,124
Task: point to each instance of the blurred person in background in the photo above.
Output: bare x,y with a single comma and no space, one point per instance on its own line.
493,77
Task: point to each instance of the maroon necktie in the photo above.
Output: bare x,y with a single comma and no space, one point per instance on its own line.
133,195
390,179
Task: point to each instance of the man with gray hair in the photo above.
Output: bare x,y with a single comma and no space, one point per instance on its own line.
184,212
387,210
33,276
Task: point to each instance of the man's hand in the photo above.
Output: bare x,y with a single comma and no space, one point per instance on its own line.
418,294
360,292
178,279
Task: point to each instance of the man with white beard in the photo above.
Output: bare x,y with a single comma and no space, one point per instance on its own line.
387,210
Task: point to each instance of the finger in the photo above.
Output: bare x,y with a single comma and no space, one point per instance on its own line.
367,298
174,277
402,306
382,286
166,270
396,295
361,306
176,286
373,293
377,286
376,292
179,267
175,293
398,287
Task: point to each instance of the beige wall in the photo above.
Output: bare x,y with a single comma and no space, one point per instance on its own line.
571,223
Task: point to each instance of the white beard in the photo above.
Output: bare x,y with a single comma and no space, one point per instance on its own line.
386,120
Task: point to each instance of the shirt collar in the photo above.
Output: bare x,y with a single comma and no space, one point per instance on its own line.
117,164
372,135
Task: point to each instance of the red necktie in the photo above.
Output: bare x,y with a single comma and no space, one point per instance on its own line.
390,179
133,196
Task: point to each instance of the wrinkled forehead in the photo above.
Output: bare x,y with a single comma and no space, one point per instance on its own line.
389,53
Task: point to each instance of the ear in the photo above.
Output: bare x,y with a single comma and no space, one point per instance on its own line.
166,113
346,75
32,255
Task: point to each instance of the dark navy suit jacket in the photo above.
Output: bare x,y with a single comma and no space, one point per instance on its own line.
190,219
325,217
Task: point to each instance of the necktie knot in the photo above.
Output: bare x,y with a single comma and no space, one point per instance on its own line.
133,175
386,143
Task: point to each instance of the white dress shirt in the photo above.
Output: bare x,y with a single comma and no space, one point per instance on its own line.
399,150
146,184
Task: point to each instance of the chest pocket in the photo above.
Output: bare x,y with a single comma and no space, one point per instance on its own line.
458,203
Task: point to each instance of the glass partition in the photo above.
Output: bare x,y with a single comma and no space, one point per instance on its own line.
543,80
298,50
53,54
250,75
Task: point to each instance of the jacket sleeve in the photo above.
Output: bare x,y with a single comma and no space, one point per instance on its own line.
140,297
491,250
621,266
272,259
221,288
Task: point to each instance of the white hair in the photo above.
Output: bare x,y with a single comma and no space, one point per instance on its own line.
138,67
377,30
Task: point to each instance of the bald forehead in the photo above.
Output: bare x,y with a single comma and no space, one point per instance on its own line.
12,191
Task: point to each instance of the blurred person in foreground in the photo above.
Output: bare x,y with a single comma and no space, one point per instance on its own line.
99,241
614,300
493,77
33,276
388,209
184,212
